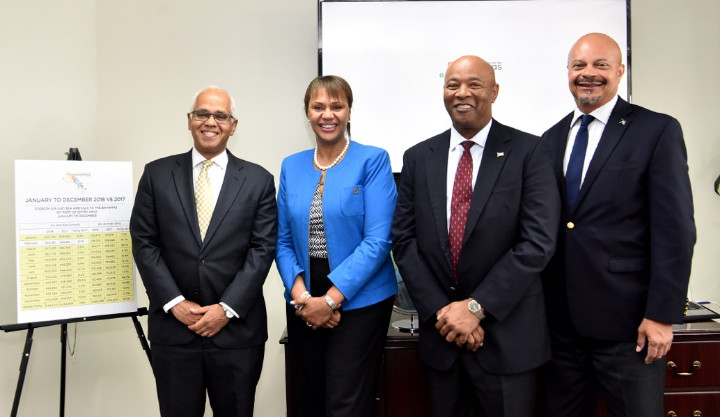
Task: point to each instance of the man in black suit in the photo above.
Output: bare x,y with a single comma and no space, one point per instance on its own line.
620,274
471,255
204,273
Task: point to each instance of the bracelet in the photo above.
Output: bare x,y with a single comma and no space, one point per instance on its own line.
303,295
330,302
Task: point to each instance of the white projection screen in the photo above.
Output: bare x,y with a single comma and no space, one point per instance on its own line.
394,55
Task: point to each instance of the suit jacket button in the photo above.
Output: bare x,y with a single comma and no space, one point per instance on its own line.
452,288
197,291
202,262
570,225
355,191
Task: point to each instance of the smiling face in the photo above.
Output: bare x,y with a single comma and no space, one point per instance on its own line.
210,136
469,92
328,116
594,71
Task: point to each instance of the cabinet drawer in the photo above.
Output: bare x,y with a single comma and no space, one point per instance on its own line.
695,404
405,390
693,364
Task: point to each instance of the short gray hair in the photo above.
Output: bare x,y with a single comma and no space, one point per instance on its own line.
212,87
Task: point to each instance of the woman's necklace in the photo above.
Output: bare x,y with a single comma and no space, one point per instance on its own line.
335,162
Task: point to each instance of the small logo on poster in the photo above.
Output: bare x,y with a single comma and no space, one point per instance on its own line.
74,179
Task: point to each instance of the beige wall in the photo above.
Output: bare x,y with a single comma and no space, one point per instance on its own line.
114,78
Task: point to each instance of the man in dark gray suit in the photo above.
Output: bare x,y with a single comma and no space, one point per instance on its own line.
620,274
203,240
474,226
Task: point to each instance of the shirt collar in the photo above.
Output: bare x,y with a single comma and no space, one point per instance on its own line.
601,114
220,160
480,138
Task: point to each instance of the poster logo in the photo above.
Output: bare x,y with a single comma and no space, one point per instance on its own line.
74,179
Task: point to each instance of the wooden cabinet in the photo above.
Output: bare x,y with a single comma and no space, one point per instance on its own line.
692,386
403,389
692,379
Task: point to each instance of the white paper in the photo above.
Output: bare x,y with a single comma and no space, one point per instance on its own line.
74,255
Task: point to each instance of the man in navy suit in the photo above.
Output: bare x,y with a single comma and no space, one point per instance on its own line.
620,274
207,319
483,329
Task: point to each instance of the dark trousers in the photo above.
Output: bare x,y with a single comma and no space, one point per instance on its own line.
334,372
184,373
467,390
581,368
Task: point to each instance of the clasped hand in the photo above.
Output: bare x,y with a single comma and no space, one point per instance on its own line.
316,312
460,326
205,321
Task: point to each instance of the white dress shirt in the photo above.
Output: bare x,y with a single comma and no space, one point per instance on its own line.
595,130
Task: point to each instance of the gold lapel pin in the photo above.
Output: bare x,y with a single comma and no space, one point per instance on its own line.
622,122
500,154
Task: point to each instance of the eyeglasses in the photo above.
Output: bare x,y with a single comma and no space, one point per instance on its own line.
204,115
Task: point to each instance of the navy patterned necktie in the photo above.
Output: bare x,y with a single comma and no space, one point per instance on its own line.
573,175
460,204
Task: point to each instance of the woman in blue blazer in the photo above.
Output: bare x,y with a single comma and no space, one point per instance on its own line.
335,208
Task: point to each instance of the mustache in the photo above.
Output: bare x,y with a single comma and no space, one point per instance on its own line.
584,79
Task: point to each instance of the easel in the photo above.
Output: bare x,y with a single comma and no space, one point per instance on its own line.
72,155
30,327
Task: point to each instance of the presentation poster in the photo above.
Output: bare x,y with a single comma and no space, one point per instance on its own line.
74,255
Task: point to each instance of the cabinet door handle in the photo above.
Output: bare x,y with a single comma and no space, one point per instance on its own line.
673,367
696,413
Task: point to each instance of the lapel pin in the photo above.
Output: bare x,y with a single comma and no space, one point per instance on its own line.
500,154
622,122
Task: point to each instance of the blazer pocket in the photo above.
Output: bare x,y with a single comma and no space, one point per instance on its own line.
504,185
505,189
623,165
620,265
242,207
352,201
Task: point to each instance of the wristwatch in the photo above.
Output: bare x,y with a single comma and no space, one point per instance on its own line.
330,302
476,308
228,313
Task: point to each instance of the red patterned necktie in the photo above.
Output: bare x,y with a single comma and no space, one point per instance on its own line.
460,204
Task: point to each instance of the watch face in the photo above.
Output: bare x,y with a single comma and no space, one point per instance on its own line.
476,309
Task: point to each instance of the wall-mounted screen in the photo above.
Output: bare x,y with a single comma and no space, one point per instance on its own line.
394,55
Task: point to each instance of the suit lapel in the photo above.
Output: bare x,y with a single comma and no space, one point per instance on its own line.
182,175
497,150
613,132
232,184
436,171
